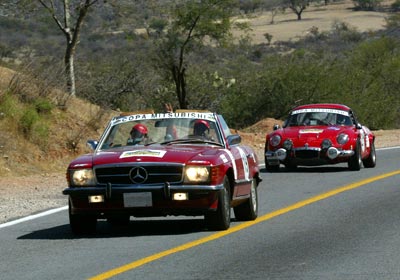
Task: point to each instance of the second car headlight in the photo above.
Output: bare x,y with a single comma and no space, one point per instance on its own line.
275,140
196,174
342,138
82,177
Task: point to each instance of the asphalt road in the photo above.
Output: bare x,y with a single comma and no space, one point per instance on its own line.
315,223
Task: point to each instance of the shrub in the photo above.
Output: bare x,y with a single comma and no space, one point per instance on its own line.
29,117
9,106
396,6
40,133
367,5
43,106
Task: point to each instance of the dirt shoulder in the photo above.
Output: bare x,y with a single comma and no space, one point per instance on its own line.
25,195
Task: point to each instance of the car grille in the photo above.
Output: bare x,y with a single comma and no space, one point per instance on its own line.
149,174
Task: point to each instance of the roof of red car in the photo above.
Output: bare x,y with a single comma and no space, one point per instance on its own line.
323,105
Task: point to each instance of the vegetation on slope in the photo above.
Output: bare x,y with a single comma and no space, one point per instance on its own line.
120,68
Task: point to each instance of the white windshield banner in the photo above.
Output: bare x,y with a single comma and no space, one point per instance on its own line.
162,116
320,110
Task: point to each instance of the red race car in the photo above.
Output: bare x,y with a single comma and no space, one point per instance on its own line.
319,134
159,164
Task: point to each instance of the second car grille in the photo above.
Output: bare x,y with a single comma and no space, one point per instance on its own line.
143,174
307,154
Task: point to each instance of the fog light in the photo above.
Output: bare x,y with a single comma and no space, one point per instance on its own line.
281,154
180,196
332,153
96,198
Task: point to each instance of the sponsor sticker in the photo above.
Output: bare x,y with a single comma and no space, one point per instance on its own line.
311,130
143,153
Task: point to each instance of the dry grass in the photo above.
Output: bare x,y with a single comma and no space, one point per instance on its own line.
68,131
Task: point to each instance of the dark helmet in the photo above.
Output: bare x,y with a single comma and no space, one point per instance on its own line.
200,127
138,132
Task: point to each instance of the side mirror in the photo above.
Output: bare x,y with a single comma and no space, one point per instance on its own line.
92,144
358,126
234,139
276,126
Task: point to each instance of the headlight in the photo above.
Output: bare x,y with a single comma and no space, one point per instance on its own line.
196,174
342,138
288,144
82,177
275,140
326,143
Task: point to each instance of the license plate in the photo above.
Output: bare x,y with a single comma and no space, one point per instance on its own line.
141,199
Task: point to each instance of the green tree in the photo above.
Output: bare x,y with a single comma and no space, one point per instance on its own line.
69,16
193,25
297,6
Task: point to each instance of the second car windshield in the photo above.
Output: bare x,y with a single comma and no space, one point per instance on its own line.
318,118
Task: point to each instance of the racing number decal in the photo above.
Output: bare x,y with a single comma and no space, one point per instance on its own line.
245,163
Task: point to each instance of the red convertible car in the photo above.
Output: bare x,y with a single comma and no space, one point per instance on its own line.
160,164
318,134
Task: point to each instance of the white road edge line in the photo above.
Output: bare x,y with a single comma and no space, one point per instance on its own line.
52,211
32,217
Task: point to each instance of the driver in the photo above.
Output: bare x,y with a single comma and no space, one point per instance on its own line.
138,135
200,128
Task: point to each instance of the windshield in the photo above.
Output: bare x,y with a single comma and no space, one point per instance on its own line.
315,117
164,129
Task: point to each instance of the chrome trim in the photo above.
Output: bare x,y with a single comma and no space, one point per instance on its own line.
140,188
307,149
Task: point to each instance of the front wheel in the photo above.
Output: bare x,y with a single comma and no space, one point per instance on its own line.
81,224
248,211
221,218
355,160
370,161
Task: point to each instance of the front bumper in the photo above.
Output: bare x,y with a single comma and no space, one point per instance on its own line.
143,201
307,155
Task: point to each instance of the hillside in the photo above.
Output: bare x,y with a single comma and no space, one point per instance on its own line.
69,128
72,125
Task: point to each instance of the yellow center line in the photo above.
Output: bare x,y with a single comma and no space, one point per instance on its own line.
135,264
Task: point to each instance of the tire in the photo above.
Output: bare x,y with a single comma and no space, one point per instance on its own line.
81,224
355,160
370,161
248,211
221,218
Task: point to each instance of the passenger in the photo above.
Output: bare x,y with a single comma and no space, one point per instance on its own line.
342,120
138,135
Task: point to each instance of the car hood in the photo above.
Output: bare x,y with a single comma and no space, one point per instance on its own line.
166,154
300,134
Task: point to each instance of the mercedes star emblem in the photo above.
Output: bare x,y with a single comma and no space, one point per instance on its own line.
138,175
